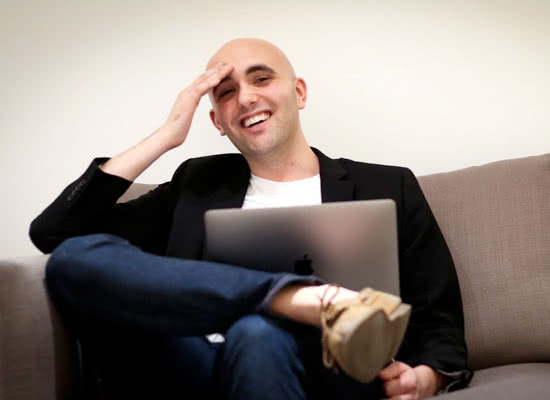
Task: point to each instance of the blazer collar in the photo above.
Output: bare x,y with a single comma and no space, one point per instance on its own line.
334,183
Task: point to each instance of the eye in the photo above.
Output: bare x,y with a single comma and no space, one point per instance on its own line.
262,79
225,92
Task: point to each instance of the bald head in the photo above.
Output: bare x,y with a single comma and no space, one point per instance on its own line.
248,50
256,101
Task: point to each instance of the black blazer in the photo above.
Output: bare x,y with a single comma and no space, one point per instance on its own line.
169,221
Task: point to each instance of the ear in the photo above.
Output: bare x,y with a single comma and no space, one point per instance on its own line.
301,93
216,123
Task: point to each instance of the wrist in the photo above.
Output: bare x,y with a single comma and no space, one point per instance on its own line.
164,139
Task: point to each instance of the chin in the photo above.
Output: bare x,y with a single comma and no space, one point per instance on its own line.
259,150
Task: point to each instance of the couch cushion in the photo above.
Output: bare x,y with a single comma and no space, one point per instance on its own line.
505,372
510,382
38,358
496,220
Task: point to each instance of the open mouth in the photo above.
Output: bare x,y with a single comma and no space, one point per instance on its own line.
255,119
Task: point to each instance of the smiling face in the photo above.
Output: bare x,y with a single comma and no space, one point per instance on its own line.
257,105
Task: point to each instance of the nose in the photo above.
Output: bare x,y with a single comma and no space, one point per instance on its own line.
247,96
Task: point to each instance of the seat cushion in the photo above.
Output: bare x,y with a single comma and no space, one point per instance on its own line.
496,220
513,371
38,357
510,382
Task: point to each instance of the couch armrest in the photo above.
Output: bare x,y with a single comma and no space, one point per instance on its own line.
38,357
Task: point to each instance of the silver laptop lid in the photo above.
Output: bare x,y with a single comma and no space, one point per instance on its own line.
353,243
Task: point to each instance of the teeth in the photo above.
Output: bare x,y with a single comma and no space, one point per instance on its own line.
255,119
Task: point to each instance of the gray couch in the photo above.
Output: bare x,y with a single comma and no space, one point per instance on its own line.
496,219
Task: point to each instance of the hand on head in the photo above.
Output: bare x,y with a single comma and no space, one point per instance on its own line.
179,120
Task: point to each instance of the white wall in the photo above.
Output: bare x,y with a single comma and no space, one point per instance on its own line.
434,85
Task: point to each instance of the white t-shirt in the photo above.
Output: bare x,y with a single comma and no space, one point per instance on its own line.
263,193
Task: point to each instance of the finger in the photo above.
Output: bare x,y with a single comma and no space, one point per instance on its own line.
393,370
191,95
208,73
407,383
212,80
401,385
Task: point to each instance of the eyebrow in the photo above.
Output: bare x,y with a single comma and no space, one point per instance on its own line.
249,70
259,67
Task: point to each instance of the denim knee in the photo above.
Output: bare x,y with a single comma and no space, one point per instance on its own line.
260,360
259,334
72,251
79,244
260,344
66,268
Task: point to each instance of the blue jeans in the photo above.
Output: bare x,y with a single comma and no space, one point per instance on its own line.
141,319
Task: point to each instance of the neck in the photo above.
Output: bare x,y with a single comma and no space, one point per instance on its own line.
289,164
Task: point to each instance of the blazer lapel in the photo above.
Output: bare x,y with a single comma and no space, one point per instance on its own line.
334,186
233,190
228,191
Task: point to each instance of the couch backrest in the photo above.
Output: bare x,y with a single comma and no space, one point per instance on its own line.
496,220
135,190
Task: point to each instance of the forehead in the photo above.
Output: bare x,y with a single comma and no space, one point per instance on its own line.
243,55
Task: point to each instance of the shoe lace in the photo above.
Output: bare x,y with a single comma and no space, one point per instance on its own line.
329,315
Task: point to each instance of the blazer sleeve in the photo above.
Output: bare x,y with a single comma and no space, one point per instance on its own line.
435,336
89,205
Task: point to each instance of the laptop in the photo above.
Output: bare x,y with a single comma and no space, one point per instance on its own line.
352,243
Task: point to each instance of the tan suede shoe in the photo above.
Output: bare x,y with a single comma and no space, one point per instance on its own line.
361,335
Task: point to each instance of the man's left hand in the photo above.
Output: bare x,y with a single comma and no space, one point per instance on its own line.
403,382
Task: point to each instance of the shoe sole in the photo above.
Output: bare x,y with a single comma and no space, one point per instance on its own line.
374,342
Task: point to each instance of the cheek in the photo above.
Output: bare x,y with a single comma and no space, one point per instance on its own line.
224,113
288,97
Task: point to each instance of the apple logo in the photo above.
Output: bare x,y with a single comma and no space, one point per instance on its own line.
303,266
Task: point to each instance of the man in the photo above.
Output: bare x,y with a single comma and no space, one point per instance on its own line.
142,315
